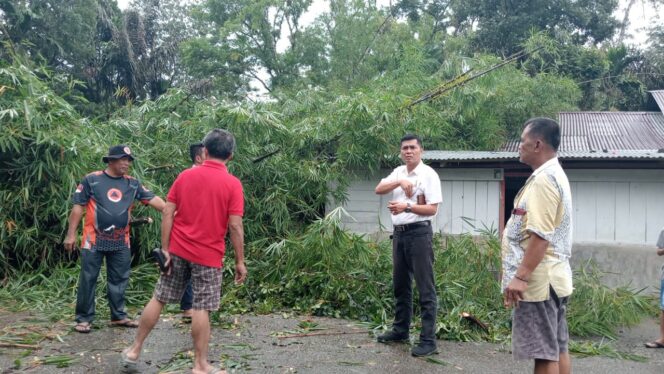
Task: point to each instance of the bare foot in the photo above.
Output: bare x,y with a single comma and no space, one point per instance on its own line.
187,313
209,370
130,354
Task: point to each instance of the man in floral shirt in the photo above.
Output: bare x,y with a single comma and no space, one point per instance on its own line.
536,247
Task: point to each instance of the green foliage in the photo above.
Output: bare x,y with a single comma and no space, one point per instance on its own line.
292,155
328,272
500,27
589,349
42,144
622,305
120,55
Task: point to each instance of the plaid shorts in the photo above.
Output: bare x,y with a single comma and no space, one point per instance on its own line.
539,329
205,282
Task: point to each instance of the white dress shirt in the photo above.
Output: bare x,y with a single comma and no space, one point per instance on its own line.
425,181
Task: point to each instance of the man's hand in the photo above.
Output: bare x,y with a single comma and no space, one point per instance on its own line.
240,273
167,263
396,207
660,251
69,242
407,187
74,220
514,293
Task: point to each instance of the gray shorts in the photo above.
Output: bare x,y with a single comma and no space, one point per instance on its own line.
539,329
205,283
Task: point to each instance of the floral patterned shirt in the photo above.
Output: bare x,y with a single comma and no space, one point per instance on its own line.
543,207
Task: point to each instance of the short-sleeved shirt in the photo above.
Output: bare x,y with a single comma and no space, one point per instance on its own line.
543,207
108,201
425,182
205,197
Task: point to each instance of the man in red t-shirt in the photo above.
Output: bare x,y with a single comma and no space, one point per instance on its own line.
208,202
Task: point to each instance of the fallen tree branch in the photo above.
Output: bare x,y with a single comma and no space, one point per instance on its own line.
18,345
321,334
261,158
464,78
160,168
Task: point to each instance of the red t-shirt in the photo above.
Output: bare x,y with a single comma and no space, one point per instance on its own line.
205,197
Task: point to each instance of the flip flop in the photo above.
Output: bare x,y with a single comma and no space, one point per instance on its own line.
83,327
124,323
654,344
128,365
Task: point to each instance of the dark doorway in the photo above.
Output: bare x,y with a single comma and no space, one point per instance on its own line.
513,184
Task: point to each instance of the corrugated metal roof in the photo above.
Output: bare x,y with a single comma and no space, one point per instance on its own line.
599,131
658,95
564,155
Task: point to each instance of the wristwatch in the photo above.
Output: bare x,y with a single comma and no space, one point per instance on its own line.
408,208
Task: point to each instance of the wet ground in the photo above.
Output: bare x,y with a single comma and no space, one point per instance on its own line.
282,343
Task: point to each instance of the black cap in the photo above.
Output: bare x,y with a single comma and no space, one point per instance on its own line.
117,152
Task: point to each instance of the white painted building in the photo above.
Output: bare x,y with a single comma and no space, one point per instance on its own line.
614,161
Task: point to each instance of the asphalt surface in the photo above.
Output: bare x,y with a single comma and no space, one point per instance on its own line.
285,343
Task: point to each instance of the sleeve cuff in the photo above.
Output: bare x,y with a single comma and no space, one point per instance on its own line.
548,236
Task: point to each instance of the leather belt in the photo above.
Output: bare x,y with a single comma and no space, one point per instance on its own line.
410,226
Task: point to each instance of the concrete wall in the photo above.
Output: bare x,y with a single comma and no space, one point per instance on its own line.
634,266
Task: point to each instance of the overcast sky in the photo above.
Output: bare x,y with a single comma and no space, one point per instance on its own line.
641,15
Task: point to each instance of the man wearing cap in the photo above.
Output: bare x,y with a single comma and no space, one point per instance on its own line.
107,198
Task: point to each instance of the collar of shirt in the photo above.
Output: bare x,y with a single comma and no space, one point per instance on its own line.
214,164
112,177
416,171
551,162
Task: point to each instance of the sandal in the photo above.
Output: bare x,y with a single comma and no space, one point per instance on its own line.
128,365
128,323
83,327
654,344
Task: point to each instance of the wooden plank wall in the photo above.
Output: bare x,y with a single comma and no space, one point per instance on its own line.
610,206
473,194
617,206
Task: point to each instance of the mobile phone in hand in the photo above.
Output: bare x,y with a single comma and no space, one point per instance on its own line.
160,259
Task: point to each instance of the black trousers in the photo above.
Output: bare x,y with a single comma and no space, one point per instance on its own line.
412,256
118,267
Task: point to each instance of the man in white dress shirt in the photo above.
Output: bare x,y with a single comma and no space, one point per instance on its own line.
416,194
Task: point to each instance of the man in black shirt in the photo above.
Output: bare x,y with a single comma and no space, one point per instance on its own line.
107,199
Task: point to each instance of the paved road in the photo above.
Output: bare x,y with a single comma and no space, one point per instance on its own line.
270,344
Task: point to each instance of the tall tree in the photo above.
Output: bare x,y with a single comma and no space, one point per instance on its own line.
240,40
119,56
501,26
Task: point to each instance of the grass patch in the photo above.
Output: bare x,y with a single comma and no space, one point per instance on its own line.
589,349
598,310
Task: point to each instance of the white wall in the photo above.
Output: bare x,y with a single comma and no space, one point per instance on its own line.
610,206
471,193
617,206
